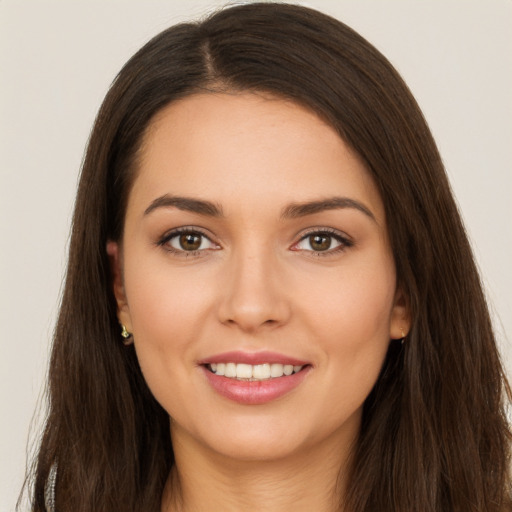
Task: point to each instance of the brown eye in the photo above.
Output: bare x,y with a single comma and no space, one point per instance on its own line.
320,242
190,241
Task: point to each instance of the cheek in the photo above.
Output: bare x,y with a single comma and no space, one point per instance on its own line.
355,304
168,315
352,323
164,303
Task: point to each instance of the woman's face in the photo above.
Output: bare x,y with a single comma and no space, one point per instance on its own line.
255,246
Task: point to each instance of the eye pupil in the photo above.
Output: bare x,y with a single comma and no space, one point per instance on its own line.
320,242
190,242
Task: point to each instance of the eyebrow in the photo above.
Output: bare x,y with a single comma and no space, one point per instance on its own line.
187,204
292,211
295,210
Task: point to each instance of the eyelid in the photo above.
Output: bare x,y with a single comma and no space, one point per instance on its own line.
344,240
172,233
341,237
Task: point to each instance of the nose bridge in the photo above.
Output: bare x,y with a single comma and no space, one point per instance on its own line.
253,295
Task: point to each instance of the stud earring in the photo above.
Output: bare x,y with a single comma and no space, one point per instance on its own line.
402,333
126,335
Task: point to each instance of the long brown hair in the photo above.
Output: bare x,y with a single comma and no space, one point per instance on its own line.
434,435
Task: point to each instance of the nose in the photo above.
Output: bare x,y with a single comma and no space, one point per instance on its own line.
254,293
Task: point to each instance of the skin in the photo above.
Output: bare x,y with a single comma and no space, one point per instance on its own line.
256,283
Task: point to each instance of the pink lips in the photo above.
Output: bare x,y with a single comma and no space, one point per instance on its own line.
254,392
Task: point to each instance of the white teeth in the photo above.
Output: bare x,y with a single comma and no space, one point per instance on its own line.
243,371
230,370
261,371
253,372
276,370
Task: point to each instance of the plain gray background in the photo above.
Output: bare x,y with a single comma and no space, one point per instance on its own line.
56,62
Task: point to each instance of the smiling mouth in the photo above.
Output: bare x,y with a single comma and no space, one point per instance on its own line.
252,373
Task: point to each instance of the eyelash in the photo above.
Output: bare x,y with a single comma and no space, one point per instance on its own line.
189,230
343,240
185,230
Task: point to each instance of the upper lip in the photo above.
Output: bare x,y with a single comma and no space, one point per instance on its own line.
253,358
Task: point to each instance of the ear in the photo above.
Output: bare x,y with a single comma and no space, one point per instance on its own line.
400,322
116,267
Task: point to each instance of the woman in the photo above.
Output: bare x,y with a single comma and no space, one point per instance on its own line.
271,301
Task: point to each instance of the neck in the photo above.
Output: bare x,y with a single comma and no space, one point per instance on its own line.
202,480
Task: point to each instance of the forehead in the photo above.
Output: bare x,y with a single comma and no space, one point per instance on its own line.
248,147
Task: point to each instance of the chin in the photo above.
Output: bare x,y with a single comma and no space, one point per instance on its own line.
258,447
267,439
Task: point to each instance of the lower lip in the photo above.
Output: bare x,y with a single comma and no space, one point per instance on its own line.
255,392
